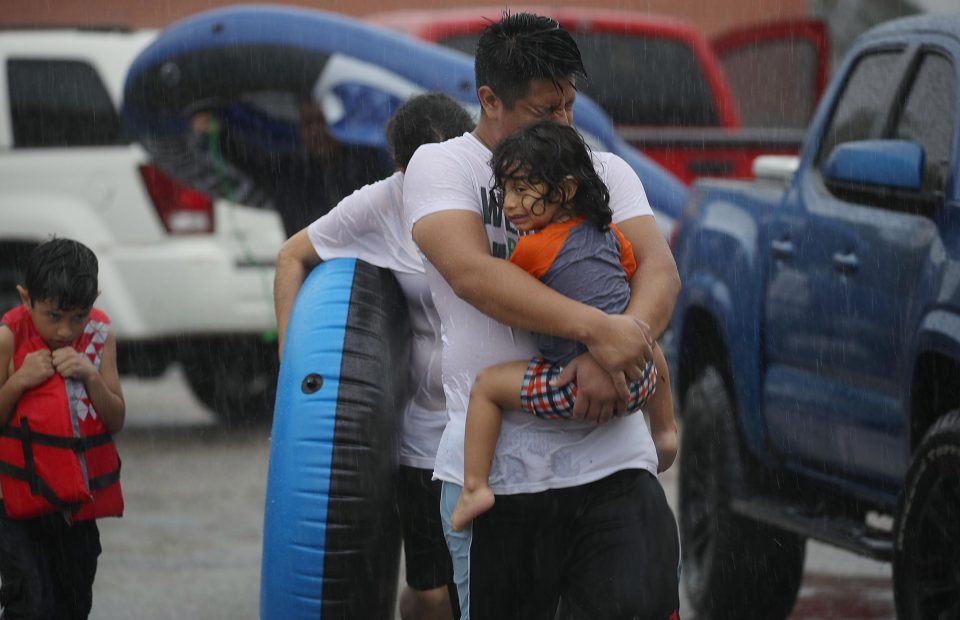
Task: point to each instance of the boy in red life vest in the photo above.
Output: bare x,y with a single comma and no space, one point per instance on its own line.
60,403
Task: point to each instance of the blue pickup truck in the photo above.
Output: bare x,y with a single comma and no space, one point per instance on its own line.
815,345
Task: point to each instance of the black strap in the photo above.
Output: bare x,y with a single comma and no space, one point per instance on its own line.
28,473
102,482
38,486
108,478
79,445
26,446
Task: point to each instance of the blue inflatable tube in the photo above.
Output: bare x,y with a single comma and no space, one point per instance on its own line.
219,58
331,539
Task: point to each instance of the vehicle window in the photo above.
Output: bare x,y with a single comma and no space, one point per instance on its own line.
773,82
60,103
927,118
862,103
646,80
466,43
637,79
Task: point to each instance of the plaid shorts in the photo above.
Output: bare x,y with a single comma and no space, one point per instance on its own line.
545,401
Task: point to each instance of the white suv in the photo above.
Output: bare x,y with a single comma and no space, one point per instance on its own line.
184,278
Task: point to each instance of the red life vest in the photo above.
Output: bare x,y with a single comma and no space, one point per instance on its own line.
55,453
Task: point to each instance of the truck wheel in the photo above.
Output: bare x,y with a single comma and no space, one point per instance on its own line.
733,566
926,554
237,380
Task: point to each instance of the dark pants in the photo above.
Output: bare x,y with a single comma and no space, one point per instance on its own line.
47,567
424,547
609,548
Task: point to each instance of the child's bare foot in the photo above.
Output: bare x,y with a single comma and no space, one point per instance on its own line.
471,505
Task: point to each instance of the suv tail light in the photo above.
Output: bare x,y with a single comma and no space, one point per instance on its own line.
182,210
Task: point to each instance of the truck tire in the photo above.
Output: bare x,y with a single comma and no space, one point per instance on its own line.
236,380
733,566
926,554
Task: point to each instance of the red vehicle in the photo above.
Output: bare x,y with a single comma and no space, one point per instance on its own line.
699,109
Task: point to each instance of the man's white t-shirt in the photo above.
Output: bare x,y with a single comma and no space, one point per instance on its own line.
368,225
532,454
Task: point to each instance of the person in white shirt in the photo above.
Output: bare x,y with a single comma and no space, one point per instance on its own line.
580,515
368,225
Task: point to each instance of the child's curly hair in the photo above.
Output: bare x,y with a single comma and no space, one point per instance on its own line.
550,153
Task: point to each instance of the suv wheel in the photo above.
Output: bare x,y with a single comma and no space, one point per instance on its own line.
926,556
237,380
733,567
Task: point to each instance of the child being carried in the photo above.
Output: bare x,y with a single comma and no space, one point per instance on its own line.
551,192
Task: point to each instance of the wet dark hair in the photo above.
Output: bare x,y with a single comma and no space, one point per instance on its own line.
547,152
431,117
62,272
522,47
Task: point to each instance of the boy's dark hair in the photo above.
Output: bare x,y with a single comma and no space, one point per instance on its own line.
422,119
548,152
522,47
63,272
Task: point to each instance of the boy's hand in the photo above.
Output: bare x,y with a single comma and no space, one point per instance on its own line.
37,367
72,365
666,442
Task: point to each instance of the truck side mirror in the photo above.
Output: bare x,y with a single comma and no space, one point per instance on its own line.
881,173
895,164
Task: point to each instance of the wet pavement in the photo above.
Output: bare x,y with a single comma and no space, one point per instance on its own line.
189,544
826,596
837,585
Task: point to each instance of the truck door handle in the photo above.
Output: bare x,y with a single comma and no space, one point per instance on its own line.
782,248
845,263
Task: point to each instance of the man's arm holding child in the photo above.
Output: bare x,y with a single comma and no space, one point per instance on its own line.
656,283
653,292
454,241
